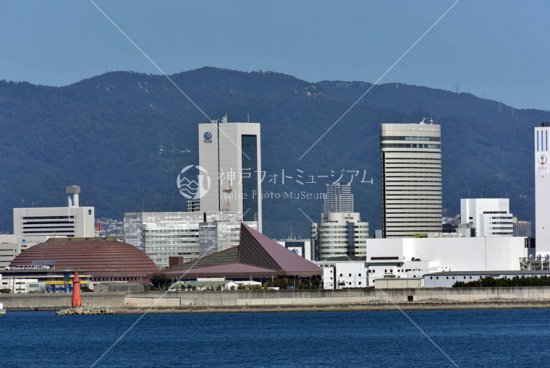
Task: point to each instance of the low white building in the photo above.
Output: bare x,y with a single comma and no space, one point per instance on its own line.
343,274
389,283
487,216
20,285
448,279
415,257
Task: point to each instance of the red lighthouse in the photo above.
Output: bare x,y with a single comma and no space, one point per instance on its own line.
76,290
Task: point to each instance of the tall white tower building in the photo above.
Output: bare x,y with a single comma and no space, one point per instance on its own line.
542,190
231,154
411,178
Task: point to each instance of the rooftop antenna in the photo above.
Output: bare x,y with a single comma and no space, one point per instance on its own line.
224,119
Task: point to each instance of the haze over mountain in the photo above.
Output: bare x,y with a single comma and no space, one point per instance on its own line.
125,136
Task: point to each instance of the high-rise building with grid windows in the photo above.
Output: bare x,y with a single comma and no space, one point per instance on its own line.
411,179
338,198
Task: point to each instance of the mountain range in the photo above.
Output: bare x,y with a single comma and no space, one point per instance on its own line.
124,137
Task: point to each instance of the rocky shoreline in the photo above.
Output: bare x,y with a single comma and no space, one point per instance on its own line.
80,311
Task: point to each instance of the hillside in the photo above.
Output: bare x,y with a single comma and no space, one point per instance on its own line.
106,133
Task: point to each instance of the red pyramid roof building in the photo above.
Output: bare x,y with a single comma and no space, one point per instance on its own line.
256,256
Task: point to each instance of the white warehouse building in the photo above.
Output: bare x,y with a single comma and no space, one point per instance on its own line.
415,257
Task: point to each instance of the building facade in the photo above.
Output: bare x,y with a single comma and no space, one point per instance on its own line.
162,235
231,155
340,235
35,225
338,198
10,247
542,189
487,216
522,228
343,274
411,179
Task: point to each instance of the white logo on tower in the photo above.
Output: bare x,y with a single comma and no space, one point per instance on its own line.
541,152
190,188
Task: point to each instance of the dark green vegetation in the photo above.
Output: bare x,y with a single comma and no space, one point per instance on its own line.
515,281
105,133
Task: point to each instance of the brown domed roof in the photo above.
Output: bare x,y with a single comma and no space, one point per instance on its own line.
102,258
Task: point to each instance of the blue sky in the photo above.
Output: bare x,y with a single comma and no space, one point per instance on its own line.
494,49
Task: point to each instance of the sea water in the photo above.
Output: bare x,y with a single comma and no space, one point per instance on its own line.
476,338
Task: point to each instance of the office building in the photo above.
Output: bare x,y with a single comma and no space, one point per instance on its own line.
338,198
522,228
542,189
487,216
340,235
411,179
36,225
10,247
231,155
162,235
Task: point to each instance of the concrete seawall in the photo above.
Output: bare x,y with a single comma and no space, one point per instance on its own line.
285,299
61,300
339,297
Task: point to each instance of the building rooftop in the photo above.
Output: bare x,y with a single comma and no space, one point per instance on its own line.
105,259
